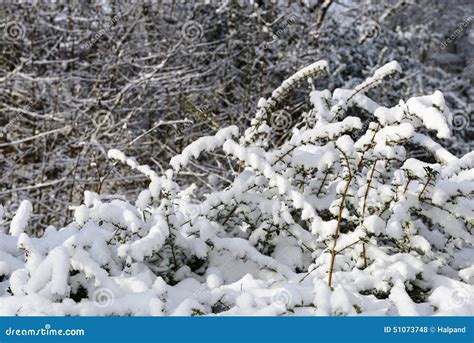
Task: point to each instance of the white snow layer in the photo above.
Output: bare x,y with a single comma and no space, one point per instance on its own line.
398,230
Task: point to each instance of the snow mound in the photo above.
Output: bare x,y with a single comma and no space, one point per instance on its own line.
322,224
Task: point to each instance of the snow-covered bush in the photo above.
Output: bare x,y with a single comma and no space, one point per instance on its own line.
334,220
54,137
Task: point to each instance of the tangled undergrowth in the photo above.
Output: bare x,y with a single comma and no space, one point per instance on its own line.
334,220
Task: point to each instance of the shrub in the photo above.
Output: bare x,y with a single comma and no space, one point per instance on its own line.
332,220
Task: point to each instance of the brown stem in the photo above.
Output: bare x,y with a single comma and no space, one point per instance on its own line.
367,191
424,188
406,186
364,254
366,195
347,246
230,214
339,220
341,208
324,181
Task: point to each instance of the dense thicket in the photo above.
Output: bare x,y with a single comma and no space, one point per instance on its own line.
81,77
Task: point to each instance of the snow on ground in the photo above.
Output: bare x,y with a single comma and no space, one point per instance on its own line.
327,223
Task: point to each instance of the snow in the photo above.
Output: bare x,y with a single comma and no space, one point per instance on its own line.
379,75
374,224
441,154
360,100
52,272
467,275
301,74
393,133
405,306
345,144
431,109
386,70
265,243
311,156
394,227
203,144
21,218
421,243
388,116
320,101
